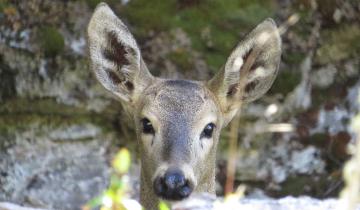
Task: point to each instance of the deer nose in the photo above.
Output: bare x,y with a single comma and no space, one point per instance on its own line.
173,185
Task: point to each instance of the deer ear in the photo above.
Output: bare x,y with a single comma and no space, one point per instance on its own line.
250,69
114,55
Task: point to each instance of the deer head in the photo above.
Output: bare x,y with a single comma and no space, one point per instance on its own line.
178,122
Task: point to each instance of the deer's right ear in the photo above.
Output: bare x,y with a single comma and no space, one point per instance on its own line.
115,56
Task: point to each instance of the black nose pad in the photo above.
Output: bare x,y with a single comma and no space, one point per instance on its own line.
173,185
174,179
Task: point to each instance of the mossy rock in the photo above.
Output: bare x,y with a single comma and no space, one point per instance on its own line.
150,15
334,94
215,60
227,20
286,81
3,5
292,58
93,3
20,113
51,40
319,139
181,59
315,186
339,44
7,86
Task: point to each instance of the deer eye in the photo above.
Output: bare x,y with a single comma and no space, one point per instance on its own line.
208,131
147,127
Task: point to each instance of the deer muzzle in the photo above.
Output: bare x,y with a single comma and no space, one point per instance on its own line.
173,185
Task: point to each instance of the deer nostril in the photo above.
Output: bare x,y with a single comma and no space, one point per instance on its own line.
172,186
185,191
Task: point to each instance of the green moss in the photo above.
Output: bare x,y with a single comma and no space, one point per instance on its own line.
252,13
309,185
293,57
286,81
3,4
224,41
304,26
226,20
51,40
93,3
38,106
20,113
215,60
150,15
339,44
181,59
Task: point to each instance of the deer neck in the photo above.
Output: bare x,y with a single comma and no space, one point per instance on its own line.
148,199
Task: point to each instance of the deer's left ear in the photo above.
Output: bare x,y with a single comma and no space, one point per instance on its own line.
250,69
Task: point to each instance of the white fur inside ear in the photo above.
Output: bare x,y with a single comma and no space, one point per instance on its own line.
238,63
264,37
259,72
235,60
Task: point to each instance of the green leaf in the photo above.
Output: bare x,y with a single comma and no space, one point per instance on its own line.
163,206
122,161
95,202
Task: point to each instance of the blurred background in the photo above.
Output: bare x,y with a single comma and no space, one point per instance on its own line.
59,128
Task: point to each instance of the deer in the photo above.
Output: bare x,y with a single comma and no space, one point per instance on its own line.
178,121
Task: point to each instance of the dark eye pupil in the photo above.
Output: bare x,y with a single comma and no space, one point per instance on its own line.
208,130
147,126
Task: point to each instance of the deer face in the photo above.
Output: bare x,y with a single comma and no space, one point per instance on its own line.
178,125
178,122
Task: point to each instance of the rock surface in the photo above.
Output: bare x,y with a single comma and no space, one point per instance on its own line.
203,202
11,206
59,127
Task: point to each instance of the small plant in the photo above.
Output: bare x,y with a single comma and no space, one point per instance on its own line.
116,197
51,40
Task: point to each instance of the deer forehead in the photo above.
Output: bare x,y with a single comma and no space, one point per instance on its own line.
180,97
180,100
